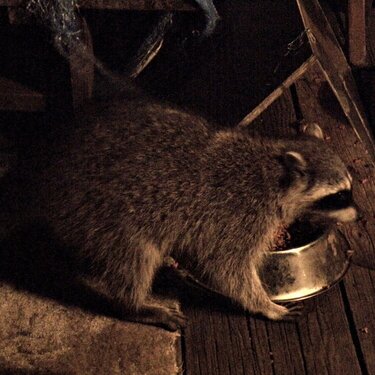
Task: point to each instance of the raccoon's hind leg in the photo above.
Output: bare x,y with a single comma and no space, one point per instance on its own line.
129,281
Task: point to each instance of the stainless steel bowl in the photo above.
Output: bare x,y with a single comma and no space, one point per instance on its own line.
303,272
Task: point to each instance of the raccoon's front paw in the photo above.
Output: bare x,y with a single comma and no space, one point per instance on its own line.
289,311
172,318
165,314
295,310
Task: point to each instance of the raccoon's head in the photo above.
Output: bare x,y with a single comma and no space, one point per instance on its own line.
325,183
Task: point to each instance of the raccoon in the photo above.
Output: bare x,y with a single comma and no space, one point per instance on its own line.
136,181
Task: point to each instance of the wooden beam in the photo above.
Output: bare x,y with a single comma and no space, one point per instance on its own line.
336,69
357,32
257,111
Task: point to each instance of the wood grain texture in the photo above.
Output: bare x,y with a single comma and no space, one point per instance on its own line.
357,32
360,290
370,40
326,340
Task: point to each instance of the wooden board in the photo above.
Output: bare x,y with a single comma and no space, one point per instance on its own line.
358,288
357,31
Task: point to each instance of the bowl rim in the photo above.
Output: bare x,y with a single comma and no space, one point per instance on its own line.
325,231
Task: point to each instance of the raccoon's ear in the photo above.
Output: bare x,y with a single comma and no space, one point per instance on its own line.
313,129
295,161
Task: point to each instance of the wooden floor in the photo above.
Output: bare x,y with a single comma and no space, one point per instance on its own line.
336,335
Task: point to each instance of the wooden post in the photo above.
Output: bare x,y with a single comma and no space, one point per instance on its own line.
359,12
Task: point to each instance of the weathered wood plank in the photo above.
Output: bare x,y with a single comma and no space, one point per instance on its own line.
360,289
285,348
357,31
371,37
218,342
318,104
325,336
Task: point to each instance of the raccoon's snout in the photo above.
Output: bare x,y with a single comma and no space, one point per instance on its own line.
345,215
338,206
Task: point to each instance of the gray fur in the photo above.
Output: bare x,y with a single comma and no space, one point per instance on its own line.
137,181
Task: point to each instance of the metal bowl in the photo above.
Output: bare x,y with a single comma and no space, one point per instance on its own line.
306,271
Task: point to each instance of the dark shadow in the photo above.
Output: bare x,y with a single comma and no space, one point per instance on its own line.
33,260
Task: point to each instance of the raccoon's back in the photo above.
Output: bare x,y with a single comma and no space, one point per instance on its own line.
133,163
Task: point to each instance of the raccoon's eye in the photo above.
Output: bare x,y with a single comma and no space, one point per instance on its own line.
335,201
